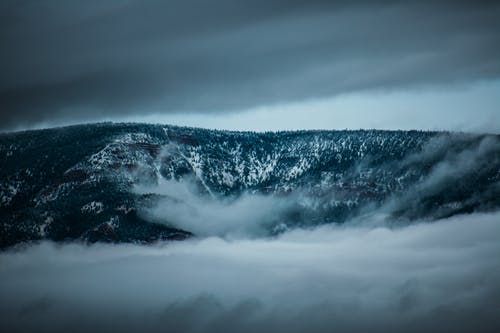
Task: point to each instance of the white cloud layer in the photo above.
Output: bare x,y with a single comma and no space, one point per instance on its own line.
441,276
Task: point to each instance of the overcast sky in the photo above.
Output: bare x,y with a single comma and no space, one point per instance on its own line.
257,65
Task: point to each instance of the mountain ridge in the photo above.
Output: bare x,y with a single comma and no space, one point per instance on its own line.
77,182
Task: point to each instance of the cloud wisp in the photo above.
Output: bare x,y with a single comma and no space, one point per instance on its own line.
181,206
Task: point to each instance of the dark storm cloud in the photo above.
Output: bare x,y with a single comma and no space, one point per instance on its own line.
85,60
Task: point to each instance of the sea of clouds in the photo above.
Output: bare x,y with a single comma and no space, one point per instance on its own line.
439,276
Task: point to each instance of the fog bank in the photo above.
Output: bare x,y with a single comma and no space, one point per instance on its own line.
441,276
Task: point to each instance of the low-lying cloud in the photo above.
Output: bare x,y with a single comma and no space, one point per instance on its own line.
457,163
182,206
441,276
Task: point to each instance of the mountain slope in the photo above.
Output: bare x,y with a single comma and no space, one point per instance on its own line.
80,182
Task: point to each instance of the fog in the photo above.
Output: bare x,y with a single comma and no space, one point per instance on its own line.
183,207
435,276
455,167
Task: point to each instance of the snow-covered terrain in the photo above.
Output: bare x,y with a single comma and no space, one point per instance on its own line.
68,183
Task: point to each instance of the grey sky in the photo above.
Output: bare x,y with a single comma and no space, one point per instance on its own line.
64,62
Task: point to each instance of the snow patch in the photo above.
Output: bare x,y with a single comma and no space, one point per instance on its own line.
94,207
8,192
42,228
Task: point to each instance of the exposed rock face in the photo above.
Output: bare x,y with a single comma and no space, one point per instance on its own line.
77,182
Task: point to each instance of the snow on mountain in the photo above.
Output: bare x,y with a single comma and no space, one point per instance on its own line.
69,183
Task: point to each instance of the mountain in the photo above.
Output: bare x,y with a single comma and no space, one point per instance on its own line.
97,182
